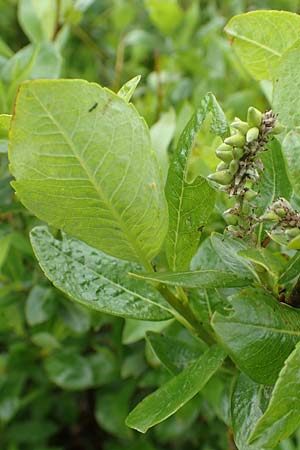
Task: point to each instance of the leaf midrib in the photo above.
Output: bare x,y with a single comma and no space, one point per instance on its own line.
134,245
253,42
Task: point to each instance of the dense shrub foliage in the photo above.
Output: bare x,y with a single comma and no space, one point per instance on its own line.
150,225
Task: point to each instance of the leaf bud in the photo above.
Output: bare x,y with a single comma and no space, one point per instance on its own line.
237,139
222,177
239,125
238,152
252,134
234,166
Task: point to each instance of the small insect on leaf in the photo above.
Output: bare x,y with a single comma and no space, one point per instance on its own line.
93,107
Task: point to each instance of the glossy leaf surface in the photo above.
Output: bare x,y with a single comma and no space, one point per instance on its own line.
94,279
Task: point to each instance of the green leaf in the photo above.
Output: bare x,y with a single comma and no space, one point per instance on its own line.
135,330
261,37
127,90
249,400
87,167
175,354
204,278
291,151
37,19
190,204
286,97
94,279
39,305
4,125
112,407
274,180
259,334
263,257
162,133
291,270
221,253
282,416
164,402
69,370
165,15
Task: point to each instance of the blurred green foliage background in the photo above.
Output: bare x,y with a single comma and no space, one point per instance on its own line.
68,377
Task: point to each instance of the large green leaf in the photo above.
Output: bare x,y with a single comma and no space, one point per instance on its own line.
282,416
286,101
190,204
94,279
261,37
274,180
164,402
259,334
291,151
83,162
248,402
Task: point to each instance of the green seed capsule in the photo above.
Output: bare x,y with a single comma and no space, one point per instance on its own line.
271,216
222,177
230,219
239,125
225,155
252,134
254,117
278,128
224,147
238,152
222,166
280,212
250,194
292,232
234,166
294,244
237,139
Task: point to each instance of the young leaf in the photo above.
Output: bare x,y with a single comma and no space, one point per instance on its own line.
282,416
291,151
259,334
38,19
261,37
249,400
83,162
190,204
164,402
175,354
127,90
291,270
286,99
94,279
4,125
221,253
274,180
202,278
